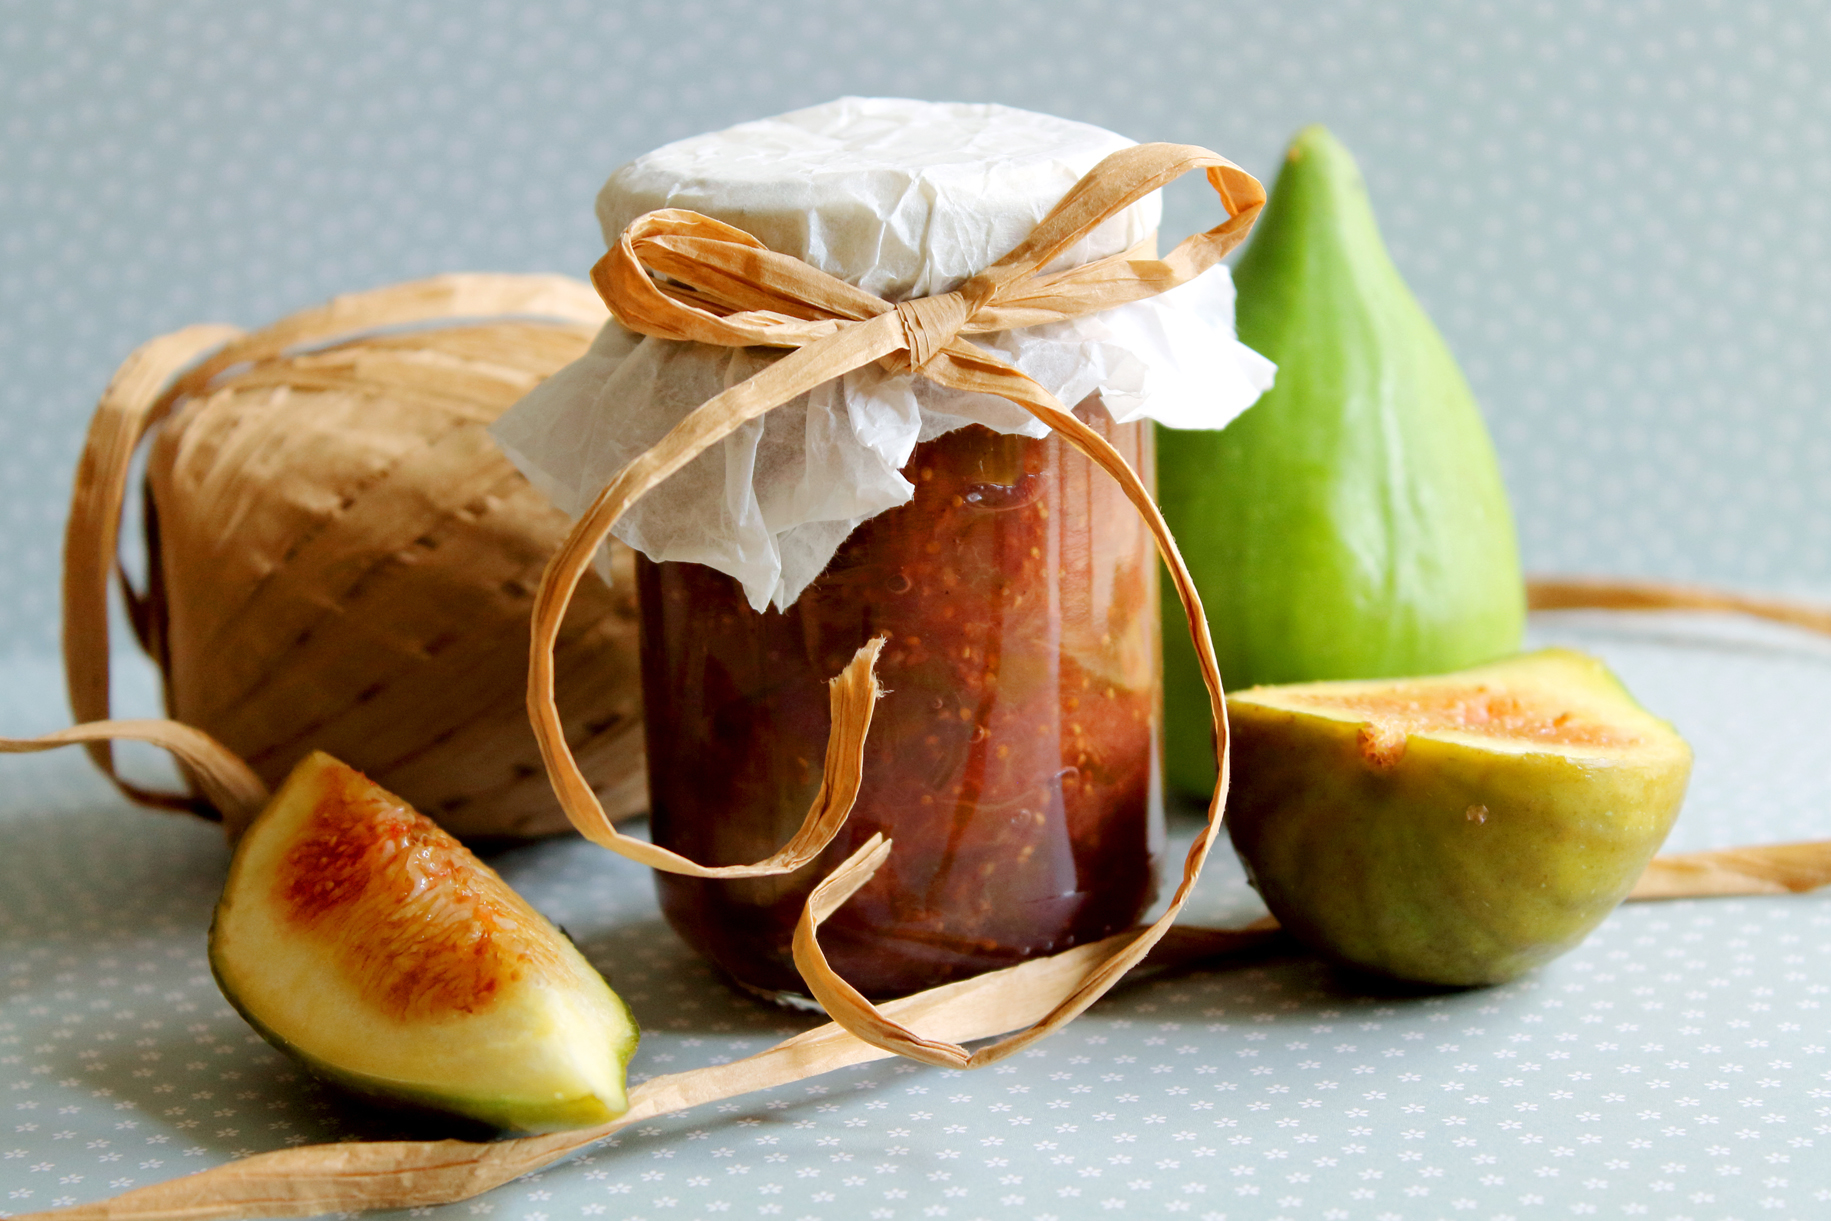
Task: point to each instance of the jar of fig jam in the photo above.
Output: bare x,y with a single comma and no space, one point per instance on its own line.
1013,762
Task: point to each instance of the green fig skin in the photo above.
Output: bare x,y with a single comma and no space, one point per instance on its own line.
457,1108
1352,523
1433,856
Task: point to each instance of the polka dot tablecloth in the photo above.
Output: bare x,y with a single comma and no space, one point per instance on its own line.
1676,1065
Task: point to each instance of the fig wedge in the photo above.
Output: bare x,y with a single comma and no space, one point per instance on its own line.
1459,829
360,938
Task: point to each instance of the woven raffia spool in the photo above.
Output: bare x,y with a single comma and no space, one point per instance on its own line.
341,559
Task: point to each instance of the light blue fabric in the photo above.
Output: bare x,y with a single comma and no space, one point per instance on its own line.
1675,1065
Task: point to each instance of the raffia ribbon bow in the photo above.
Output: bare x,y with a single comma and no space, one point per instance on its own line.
724,287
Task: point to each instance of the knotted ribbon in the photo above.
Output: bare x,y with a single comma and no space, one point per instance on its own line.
679,275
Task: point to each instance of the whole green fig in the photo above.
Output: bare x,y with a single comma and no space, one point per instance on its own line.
1352,523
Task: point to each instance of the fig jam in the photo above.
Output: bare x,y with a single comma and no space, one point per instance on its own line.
1013,761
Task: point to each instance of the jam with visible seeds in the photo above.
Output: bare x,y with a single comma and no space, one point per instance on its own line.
1013,761
416,924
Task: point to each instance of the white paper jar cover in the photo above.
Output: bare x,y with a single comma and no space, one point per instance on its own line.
905,199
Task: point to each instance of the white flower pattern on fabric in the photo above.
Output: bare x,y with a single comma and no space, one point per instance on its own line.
121,1065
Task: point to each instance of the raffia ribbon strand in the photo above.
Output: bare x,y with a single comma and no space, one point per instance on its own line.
1771,869
228,783
1623,594
134,401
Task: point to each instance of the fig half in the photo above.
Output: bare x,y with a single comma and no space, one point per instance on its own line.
360,938
1459,829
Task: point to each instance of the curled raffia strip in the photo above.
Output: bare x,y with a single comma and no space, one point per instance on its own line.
852,694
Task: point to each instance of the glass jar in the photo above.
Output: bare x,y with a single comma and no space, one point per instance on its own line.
1013,761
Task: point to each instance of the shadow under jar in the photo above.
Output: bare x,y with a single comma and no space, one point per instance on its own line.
1013,761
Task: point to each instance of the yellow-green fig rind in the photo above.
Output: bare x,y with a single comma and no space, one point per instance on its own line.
359,938
1454,830
507,1114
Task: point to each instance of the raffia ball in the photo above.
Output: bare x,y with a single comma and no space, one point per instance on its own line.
343,560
